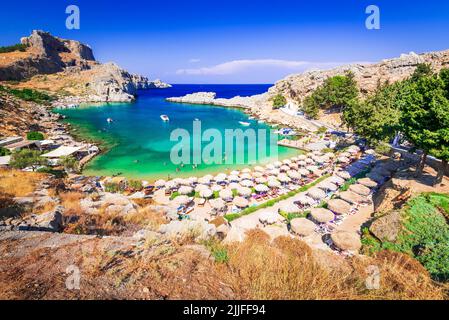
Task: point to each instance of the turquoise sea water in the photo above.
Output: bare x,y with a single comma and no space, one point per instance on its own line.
138,141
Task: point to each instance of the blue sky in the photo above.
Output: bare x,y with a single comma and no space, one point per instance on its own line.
235,41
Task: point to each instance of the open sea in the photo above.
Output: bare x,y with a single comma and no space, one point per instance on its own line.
138,144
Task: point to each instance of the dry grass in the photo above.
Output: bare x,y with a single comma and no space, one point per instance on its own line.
18,183
287,269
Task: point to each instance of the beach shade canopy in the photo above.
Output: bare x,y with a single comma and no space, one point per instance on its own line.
309,161
284,168
160,183
200,187
274,183
336,180
234,185
221,177
344,175
261,188
185,190
304,172
261,180
246,176
338,206
274,172
313,169
367,182
317,153
246,170
360,189
217,204
182,200
351,197
204,180
257,174
216,188
277,164
240,202
171,185
269,217
302,163
233,178
316,194
345,155
322,215
289,208
259,169
247,183
302,157
346,241
294,166
294,159
305,200
244,191
294,174
343,160
282,177
209,176
328,186
269,167
193,180
235,173
226,194
206,193
184,182
287,162
302,226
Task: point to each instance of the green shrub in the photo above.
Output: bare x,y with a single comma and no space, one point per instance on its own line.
279,101
35,136
135,184
27,158
4,152
28,95
218,251
424,234
16,47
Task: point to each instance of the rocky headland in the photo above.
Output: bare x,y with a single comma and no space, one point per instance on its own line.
68,68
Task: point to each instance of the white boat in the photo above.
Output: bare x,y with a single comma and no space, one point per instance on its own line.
109,120
165,118
245,124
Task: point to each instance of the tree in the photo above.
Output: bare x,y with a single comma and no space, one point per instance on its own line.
335,92
377,117
27,158
35,136
422,70
69,163
279,101
425,117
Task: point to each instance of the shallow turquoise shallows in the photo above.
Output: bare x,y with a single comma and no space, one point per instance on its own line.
138,141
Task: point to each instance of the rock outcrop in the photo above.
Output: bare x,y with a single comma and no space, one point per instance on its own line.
54,64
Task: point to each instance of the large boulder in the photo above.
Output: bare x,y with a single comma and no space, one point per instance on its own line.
387,227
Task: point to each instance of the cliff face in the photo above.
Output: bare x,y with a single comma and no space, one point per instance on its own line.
298,86
67,66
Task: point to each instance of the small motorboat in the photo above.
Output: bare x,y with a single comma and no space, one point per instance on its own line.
165,118
109,120
245,124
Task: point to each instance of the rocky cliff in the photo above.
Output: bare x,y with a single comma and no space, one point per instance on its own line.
69,67
298,86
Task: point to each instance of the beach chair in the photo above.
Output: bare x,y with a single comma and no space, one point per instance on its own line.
202,203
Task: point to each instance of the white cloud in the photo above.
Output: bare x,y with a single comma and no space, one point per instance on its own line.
238,66
194,60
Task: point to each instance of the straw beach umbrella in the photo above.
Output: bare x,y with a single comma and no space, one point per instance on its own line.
294,174
328,186
160,183
367,182
261,188
283,178
216,188
269,166
302,157
246,170
346,241
220,178
274,183
277,164
235,173
313,169
343,160
206,193
226,194
204,180
305,200
246,176
336,180
259,169
289,208
240,202
360,189
218,204
322,215
269,217
171,185
344,175
234,186
200,187
182,200
339,207
316,194
284,168
351,197
244,191
302,227
247,183
261,180
193,180
302,163
185,190
303,172
233,178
